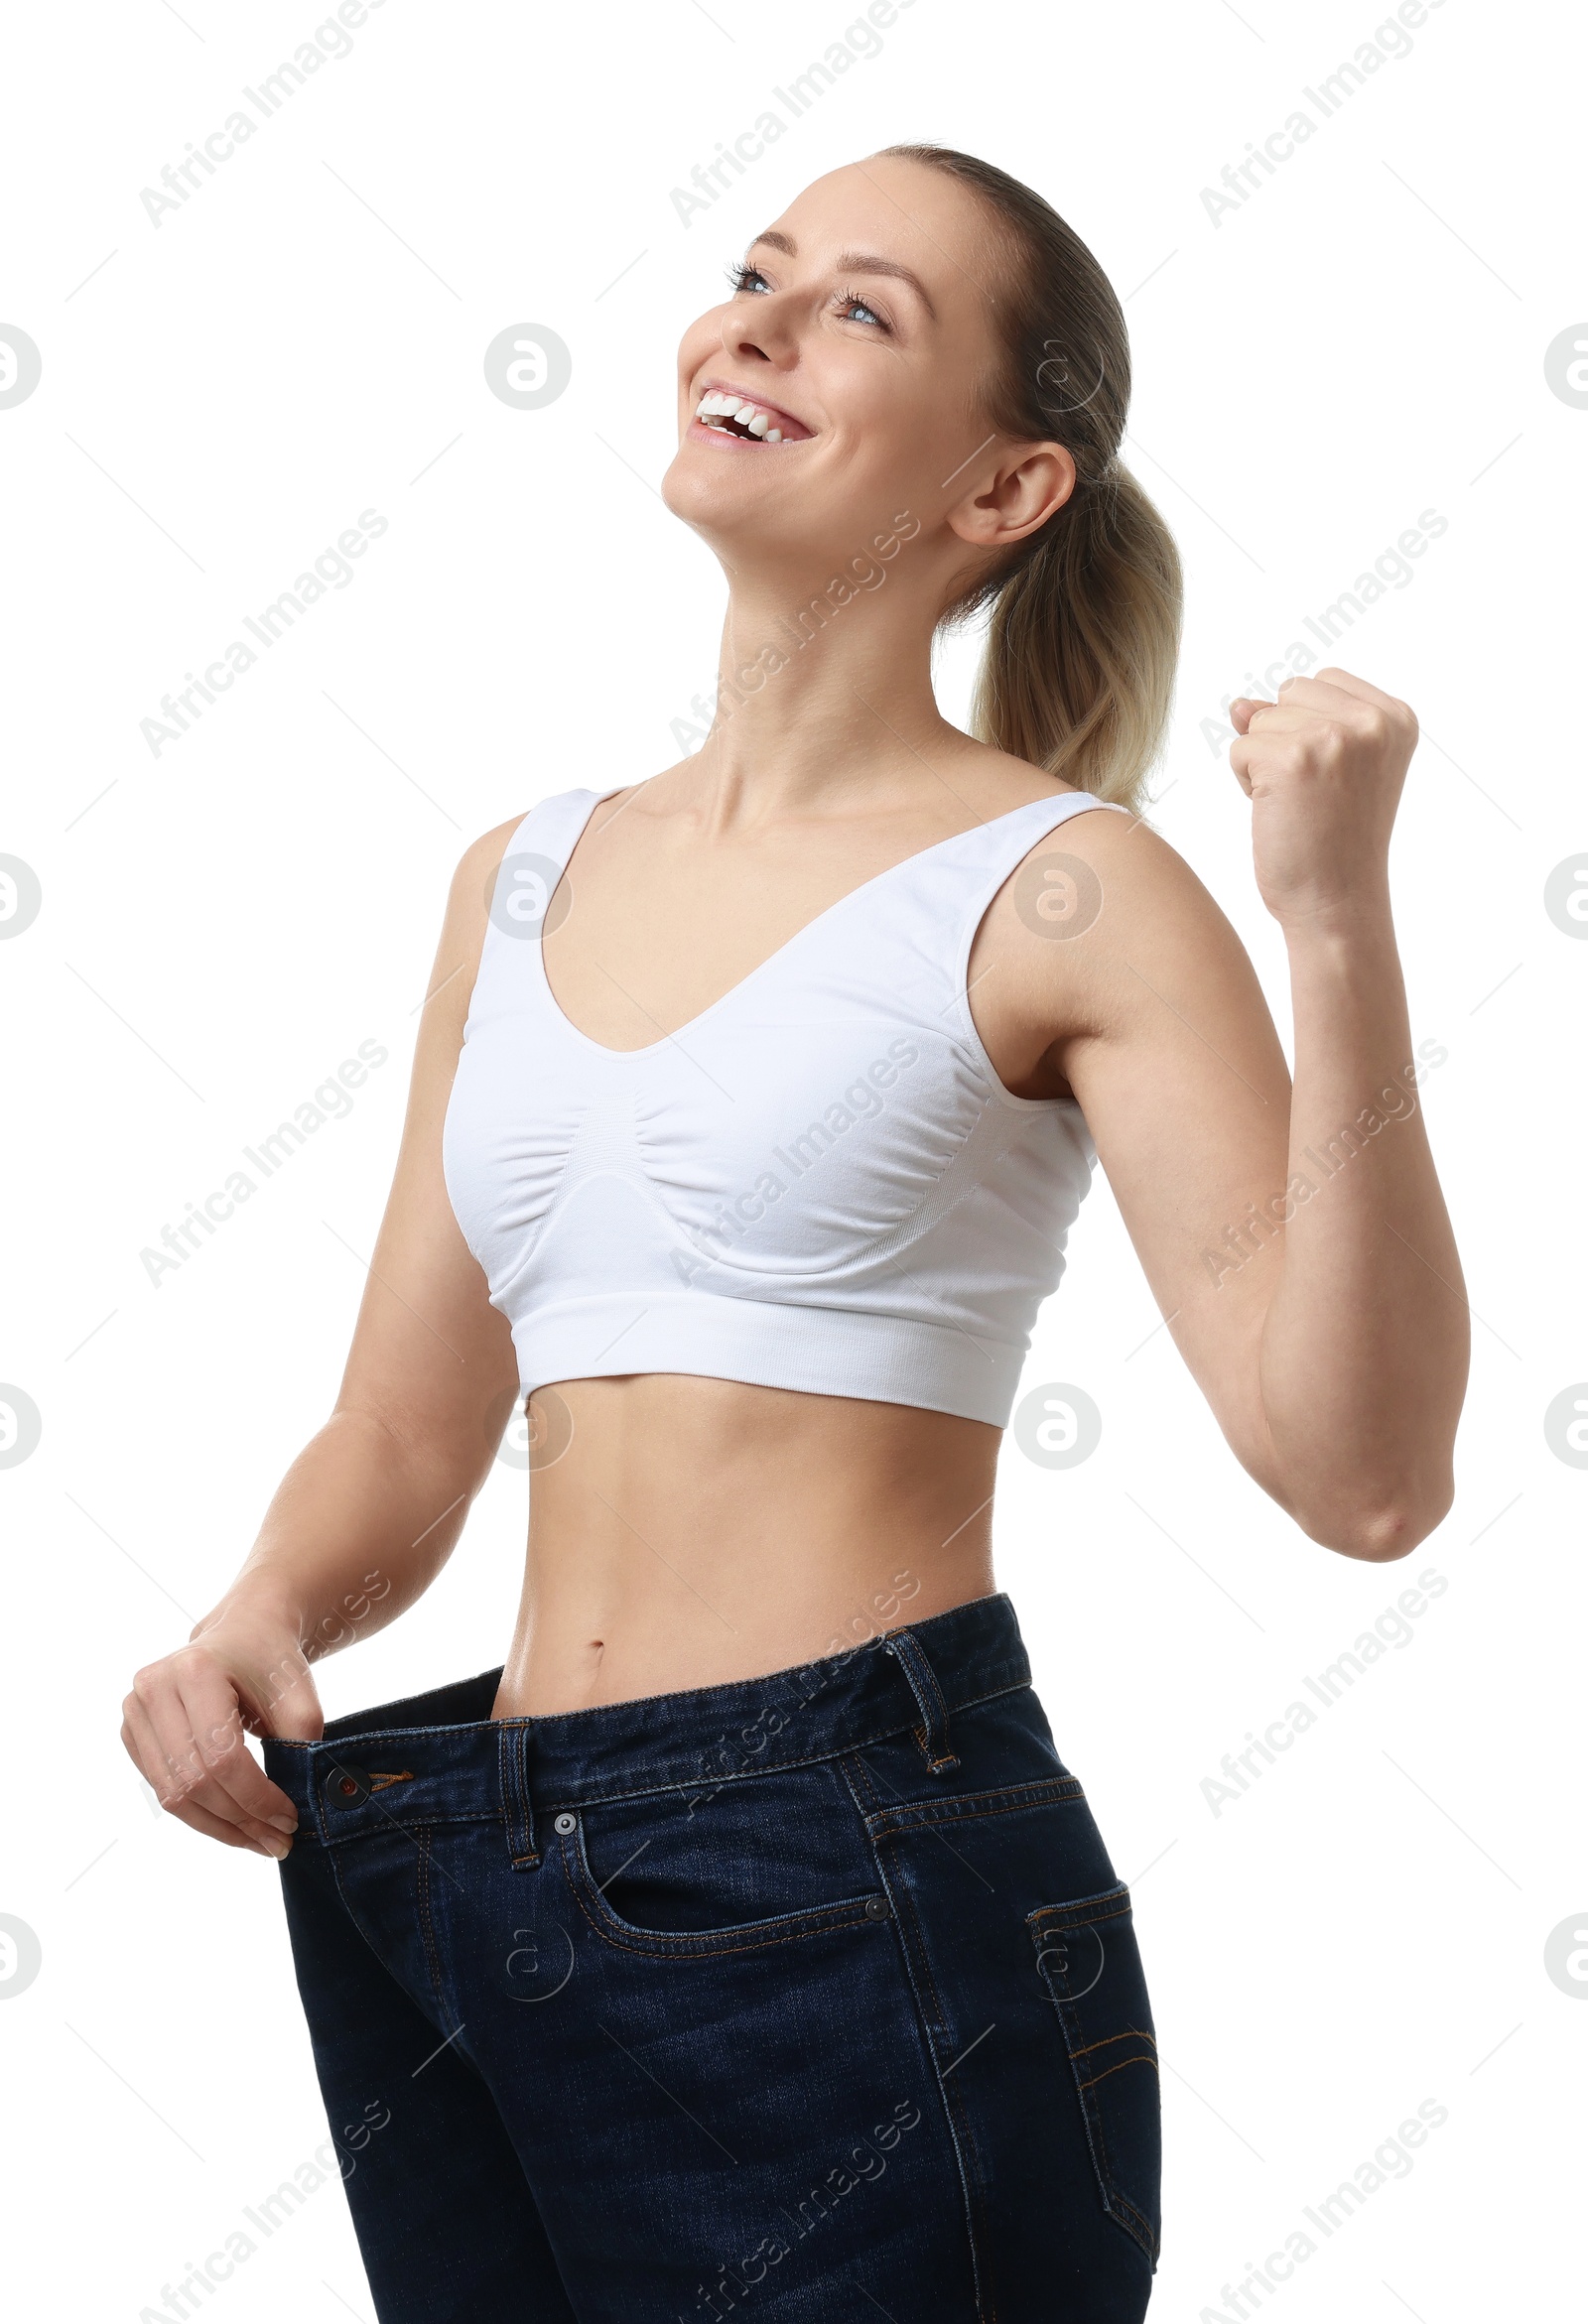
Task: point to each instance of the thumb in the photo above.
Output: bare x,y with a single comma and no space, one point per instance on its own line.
1243,709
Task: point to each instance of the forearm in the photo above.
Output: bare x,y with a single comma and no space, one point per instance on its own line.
1363,1357
359,1528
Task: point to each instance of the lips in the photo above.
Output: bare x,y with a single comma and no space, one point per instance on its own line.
728,415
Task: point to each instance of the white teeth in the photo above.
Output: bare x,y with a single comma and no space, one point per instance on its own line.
716,406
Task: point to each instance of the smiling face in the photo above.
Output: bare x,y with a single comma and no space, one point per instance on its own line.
845,379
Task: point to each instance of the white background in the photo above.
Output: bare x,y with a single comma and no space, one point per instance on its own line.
1361,341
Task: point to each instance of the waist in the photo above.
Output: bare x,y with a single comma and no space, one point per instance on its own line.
444,1757
686,1531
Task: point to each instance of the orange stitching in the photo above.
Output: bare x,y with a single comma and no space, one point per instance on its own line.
686,1944
1086,1921
379,1782
852,1764
1142,2060
917,1812
1146,2238
1130,2033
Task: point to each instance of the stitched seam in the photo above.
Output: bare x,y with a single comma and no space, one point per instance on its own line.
1086,1921
689,1778
522,1844
682,1948
347,1906
851,1765
1130,2033
966,1808
860,1742
1092,2122
684,1944
432,1951
957,2121
370,1737
1146,2236
1115,2201
1140,2059
379,1826
506,1760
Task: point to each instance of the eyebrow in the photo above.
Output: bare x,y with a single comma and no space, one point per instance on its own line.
854,262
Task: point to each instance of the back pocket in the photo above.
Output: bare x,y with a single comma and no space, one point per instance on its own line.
1089,1962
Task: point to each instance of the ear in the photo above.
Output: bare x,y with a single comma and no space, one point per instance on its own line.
1023,491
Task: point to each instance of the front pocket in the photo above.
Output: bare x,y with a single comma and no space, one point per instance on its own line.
689,1875
1090,1964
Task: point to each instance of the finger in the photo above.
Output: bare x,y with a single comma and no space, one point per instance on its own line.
180,1741
1268,718
259,1839
143,1749
1346,681
214,1716
1344,705
1243,710
215,1719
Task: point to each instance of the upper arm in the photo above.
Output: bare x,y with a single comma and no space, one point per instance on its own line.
432,1360
1155,1016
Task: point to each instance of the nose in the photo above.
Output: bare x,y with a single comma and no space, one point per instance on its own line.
763,332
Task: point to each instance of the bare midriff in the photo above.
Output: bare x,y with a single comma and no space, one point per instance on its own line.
685,1532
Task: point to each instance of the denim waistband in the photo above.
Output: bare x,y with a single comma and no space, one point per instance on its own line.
440,1757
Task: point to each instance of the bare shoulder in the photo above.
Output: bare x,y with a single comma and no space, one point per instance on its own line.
1103,922
478,866
462,936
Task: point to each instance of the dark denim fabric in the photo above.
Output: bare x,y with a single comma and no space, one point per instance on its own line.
810,1998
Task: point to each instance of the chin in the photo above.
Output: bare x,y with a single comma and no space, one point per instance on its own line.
700,488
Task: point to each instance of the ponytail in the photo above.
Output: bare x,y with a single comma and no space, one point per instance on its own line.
1077,676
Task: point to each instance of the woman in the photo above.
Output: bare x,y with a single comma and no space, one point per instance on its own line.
743,1941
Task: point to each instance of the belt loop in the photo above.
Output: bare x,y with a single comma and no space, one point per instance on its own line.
933,1732
517,1812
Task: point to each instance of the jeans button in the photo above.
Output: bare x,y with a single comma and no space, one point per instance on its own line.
565,1824
876,1908
347,1786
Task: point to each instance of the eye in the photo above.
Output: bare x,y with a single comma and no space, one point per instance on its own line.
868,313
743,276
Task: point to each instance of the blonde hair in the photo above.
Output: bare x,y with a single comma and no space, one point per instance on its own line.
1078,672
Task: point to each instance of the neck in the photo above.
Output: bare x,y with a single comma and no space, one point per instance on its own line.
824,694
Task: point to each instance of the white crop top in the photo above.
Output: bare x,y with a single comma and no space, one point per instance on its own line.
819,1183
